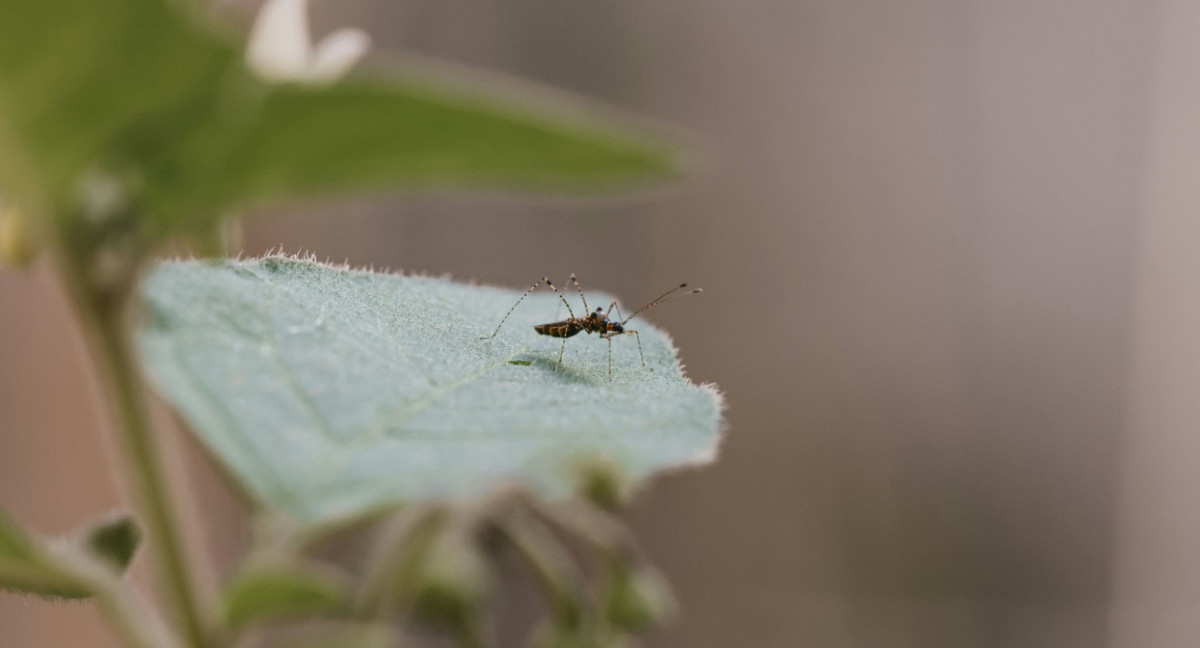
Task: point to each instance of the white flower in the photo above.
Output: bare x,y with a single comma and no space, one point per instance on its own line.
281,48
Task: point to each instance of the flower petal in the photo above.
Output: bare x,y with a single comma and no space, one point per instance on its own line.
337,52
280,46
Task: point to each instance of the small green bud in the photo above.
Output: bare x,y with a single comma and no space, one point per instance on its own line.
17,245
637,597
453,580
115,540
600,480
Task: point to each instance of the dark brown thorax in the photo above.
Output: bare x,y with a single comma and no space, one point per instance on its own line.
595,322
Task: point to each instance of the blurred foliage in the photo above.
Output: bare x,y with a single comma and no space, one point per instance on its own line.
141,92
328,394
262,592
27,566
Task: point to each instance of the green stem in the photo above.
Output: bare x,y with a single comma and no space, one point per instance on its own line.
103,314
119,603
552,565
402,544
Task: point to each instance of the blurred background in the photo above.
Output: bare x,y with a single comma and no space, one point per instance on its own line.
947,248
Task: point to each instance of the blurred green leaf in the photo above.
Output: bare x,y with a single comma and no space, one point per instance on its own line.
263,592
145,93
115,540
452,581
416,135
637,597
328,392
554,568
343,635
19,245
602,482
86,84
27,567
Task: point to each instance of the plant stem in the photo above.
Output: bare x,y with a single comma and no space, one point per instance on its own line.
117,600
103,315
553,566
120,605
149,481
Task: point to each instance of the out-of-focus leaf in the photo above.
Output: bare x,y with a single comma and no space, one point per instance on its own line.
19,245
147,95
328,392
86,84
418,136
263,592
26,566
342,635
637,597
453,581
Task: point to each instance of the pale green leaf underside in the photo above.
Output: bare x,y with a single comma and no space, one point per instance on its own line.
327,392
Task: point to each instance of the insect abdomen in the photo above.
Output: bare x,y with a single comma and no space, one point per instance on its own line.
558,329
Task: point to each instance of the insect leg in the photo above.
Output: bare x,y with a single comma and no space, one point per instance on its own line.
514,307
639,341
609,357
560,354
543,280
560,296
580,289
610,309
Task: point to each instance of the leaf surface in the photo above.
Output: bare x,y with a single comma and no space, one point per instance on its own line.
329,392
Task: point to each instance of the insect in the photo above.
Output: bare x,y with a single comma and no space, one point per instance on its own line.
596,321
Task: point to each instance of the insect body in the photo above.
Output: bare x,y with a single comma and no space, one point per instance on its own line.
597,321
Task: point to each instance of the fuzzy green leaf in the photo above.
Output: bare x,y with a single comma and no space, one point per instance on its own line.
328,392
27,567
263,592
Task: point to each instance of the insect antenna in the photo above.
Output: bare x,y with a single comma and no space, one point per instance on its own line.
665,297
543,280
